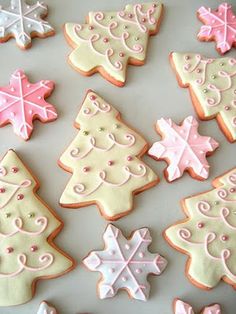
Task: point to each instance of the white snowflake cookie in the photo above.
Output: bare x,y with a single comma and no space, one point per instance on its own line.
24,22
125,263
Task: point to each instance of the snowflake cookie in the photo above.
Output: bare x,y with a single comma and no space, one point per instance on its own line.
24,22
181,307
208,235
183,148
220,25
125,263
212,86
22,102
105,160
109,41
45,308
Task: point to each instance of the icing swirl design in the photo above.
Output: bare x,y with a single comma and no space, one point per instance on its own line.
214,213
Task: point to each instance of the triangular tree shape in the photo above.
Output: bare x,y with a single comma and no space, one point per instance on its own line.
208,235
109,41
27,230
105,161
212,85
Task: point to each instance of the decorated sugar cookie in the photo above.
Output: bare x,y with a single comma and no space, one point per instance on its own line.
24,21
219,25
45,308
27,230
109,41
181,307
183,148
105,161
212,85
22,102
125,263
208,234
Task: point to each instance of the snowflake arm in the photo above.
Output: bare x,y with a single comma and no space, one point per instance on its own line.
220,25
183,148
125,264
23,22
21,103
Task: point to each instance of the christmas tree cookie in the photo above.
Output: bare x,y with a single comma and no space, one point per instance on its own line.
125,263
219,25
212,86
24,22
208,234
105,161
183,148
27,230
181,307
22,102
109,41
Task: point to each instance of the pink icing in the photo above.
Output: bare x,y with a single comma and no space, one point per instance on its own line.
183,147
181,307
22,102
122,265
220,25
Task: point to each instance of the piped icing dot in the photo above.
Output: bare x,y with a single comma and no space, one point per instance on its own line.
138,270
136,38
143,20
200,225
216,203
222,64
116,126
33,248
125,26
141,254
187,57
124,278
224,238
9,250
232,190
101,129
31,215
105,40
14,169
130,15
111,270
213,76
227,108
110,162
112,252
85,133
129,158
199,70
2,190
91,27
121,54
86,169
154,5
92,97
7,215
127,246
204,90
20,197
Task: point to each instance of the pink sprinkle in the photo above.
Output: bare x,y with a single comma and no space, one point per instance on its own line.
2,190
92,97
9,250
124,278
14,169
121,54
232,190
154,5
138,271
198,70
105,40
33,248
143,20
186,57
141,254
129,158
224,238
227,108
91,28
85,169
130,15
200,225
127,246
20,197
110,163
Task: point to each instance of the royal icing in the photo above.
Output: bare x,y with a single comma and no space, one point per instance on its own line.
208,236
183,148
22,102
24,21
105,161
111,39
220,25
212,84
26,224
181,307
125,263
45,308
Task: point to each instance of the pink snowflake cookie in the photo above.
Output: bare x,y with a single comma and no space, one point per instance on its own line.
125,263
183,148
220,25
22,102
181,307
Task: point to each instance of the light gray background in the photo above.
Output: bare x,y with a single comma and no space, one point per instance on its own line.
151,92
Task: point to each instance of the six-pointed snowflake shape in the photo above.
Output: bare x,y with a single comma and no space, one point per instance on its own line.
181,307
23,22
22,102
125,264
220,25
183,148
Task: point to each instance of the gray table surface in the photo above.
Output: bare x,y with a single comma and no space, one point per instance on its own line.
153,87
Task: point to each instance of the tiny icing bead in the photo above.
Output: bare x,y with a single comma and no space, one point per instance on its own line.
101,129
105,40
129,158
213,77
121,54
112,252
124,279
31,215
224,238
86,133
141,254
111,270
20,197
91,28
199,71
227,108
7,215
143,20
200,225
110,163
14,169
138,271
85,169
205,90
125,26
232,190
130,15
116,126
9,250
154,5
221,63
127,246
136,38
2,190
92,97
33,248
